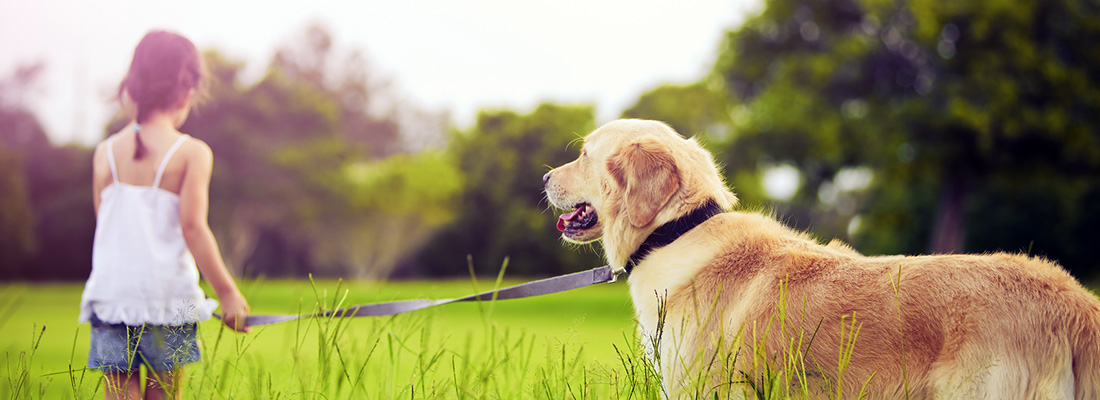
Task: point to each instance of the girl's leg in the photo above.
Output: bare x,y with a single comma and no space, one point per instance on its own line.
163,384
122,385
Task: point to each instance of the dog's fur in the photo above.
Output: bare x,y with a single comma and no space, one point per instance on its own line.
989,326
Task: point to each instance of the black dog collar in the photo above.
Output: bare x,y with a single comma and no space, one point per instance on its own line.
671,231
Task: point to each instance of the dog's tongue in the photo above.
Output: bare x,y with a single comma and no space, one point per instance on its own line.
568,217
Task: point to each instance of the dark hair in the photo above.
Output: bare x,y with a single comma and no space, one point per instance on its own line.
166,66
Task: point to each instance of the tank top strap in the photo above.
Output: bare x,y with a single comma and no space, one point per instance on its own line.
111,158
168,156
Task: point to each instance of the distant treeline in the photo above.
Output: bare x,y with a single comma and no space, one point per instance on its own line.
912,127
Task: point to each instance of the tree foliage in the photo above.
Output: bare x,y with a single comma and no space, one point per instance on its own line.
298,187
17,241
972,115
45,192
503,211
697,108
19,133
364,106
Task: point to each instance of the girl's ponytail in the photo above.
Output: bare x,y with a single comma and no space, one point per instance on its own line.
139,148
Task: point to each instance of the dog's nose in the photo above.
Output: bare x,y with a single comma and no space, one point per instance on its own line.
546,178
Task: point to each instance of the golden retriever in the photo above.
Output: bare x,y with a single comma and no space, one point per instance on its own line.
729,303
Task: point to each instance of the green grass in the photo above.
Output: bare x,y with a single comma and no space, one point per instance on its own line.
578,344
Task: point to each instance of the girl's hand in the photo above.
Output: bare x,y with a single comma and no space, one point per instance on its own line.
234,311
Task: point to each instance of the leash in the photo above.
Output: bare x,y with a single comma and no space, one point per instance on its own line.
662,236
540,287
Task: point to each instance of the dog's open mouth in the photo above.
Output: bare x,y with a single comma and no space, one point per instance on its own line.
581,218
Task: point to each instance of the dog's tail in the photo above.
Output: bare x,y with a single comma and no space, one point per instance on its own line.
1086,350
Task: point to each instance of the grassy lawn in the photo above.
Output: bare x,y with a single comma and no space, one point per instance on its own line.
564,345
579,344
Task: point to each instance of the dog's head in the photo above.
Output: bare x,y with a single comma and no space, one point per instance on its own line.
632,176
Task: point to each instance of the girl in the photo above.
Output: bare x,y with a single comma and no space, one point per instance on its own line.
151,186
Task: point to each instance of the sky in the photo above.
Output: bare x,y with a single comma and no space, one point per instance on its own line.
457,56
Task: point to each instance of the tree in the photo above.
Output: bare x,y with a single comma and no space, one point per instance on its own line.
952,106
17,243
294,192
367,107
697,108
47,222
20,133
268,140
503,208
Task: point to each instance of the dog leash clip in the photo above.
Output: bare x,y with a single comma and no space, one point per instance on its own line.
615,274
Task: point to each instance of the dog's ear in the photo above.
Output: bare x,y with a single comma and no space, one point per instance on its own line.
648,175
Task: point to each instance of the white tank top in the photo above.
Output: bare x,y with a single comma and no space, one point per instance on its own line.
142,271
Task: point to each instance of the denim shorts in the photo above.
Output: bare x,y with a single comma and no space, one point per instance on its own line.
122,348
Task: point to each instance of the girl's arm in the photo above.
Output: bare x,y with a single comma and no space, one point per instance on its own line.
194,209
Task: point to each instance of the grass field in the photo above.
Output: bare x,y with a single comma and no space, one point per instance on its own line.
578,344
573,345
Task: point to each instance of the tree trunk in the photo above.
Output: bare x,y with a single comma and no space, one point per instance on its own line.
949,231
